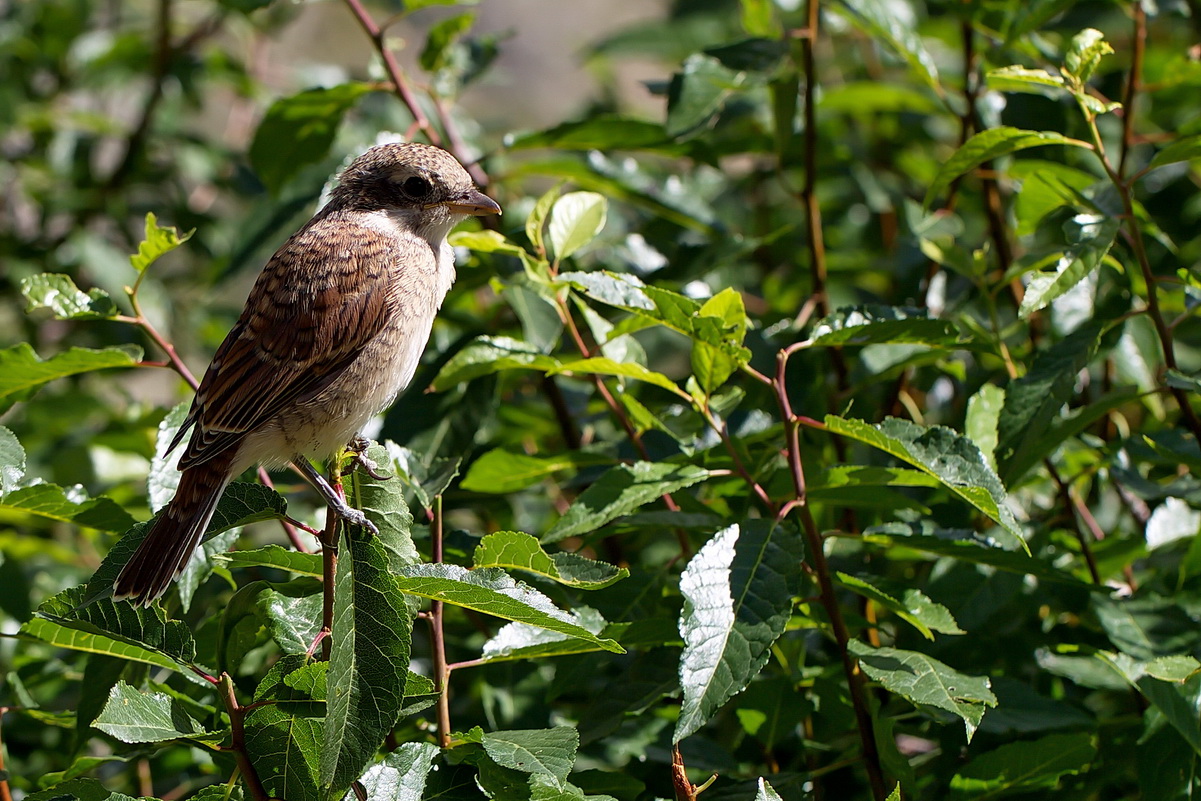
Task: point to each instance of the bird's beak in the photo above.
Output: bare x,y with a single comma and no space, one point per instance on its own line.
474,202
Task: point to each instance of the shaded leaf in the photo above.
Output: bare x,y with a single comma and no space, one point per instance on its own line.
487,355
619,491
866,325
925,681
948,456
297,131
1024,767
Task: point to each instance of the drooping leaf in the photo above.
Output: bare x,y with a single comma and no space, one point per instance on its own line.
910,604
619,491
925,681
948,456
516,550
1033,401
738,592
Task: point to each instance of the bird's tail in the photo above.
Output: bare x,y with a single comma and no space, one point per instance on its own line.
175,533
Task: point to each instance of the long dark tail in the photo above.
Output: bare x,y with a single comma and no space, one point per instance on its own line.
175,533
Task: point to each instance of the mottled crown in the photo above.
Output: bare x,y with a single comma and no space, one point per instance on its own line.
403,175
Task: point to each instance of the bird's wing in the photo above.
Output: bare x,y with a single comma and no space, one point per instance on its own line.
319,300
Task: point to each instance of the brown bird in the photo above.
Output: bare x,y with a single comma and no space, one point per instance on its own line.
333,329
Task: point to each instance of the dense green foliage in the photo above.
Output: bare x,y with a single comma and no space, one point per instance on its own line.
834,432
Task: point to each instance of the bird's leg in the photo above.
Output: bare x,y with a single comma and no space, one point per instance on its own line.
358,446
336,503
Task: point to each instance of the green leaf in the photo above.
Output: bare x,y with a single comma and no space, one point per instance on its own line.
619,491
382,499
983,412
1186,148
1023,79
1178,380
22,372
441,37
298,131
1023,767
948,456
992,144
516,550
1084,54
80,789
520,641
53,502
711,365
487,355
971,551
1089,236
372,633
697,93
114,629
277,556
910,604
1033,401
872,97
401,775
135,716
12,461
158,241
575,220
867,325
546,752
75,638
738,593
882,23
289,613
605,132
58,293
600,365
485,242
499,471
493,592
284,730
925,681
765,792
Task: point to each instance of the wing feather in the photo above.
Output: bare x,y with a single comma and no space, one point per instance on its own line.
325,294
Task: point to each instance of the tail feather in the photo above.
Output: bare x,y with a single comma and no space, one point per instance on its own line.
176,532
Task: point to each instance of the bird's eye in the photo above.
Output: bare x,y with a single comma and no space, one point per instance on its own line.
417,188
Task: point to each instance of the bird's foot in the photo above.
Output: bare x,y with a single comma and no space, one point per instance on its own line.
358,446
334,499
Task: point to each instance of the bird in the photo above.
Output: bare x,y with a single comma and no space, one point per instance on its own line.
332,331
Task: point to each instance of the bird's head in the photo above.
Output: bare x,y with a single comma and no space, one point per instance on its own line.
423,184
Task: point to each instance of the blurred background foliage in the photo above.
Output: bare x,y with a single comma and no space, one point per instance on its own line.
715,129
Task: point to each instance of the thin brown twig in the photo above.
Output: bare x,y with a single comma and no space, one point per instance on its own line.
856,680
237,730
1133,82
438,636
